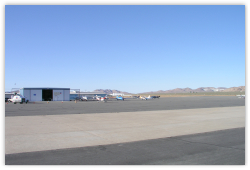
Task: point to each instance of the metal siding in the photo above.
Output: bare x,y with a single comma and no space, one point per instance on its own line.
66,95
36,95
57,95
26,94
21,92
73,96
8,95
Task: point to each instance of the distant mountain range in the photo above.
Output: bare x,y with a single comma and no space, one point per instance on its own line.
182,90
108,91
201,89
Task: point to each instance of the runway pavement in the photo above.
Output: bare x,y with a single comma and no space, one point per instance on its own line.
36,133
226,147
113,106
48,127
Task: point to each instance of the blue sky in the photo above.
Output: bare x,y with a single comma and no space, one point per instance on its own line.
128,48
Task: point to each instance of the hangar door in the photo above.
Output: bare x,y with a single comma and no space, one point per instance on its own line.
47,95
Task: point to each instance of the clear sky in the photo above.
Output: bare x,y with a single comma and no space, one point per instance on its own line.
127,48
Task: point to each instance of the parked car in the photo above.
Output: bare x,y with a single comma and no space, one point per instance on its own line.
17,98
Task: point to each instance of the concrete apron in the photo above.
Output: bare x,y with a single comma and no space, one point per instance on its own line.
39,133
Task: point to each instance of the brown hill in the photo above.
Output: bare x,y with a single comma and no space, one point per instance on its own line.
180,90
201,89
233,89
109,91
160,91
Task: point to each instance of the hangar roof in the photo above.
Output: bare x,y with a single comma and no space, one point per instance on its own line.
43,88
87,93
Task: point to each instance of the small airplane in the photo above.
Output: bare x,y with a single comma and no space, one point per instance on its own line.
141,97
119,98
146,98
156,97
99,98
17,98
84,98
241,96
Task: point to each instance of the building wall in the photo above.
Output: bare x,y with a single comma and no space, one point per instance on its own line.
9,95
93,95
60,95
31,95
57,95
66,95
117,94
36,95
26,94
73,96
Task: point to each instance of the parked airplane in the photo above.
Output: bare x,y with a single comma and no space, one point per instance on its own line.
119,98
142,97
17,98
99,98
84,98
148,98
240,96
154,97
145,98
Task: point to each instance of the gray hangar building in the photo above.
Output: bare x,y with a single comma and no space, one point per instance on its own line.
46,94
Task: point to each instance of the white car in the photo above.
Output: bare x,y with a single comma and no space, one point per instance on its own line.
17,98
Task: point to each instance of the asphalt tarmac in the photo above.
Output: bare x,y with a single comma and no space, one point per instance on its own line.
226,147
219,147
114,106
